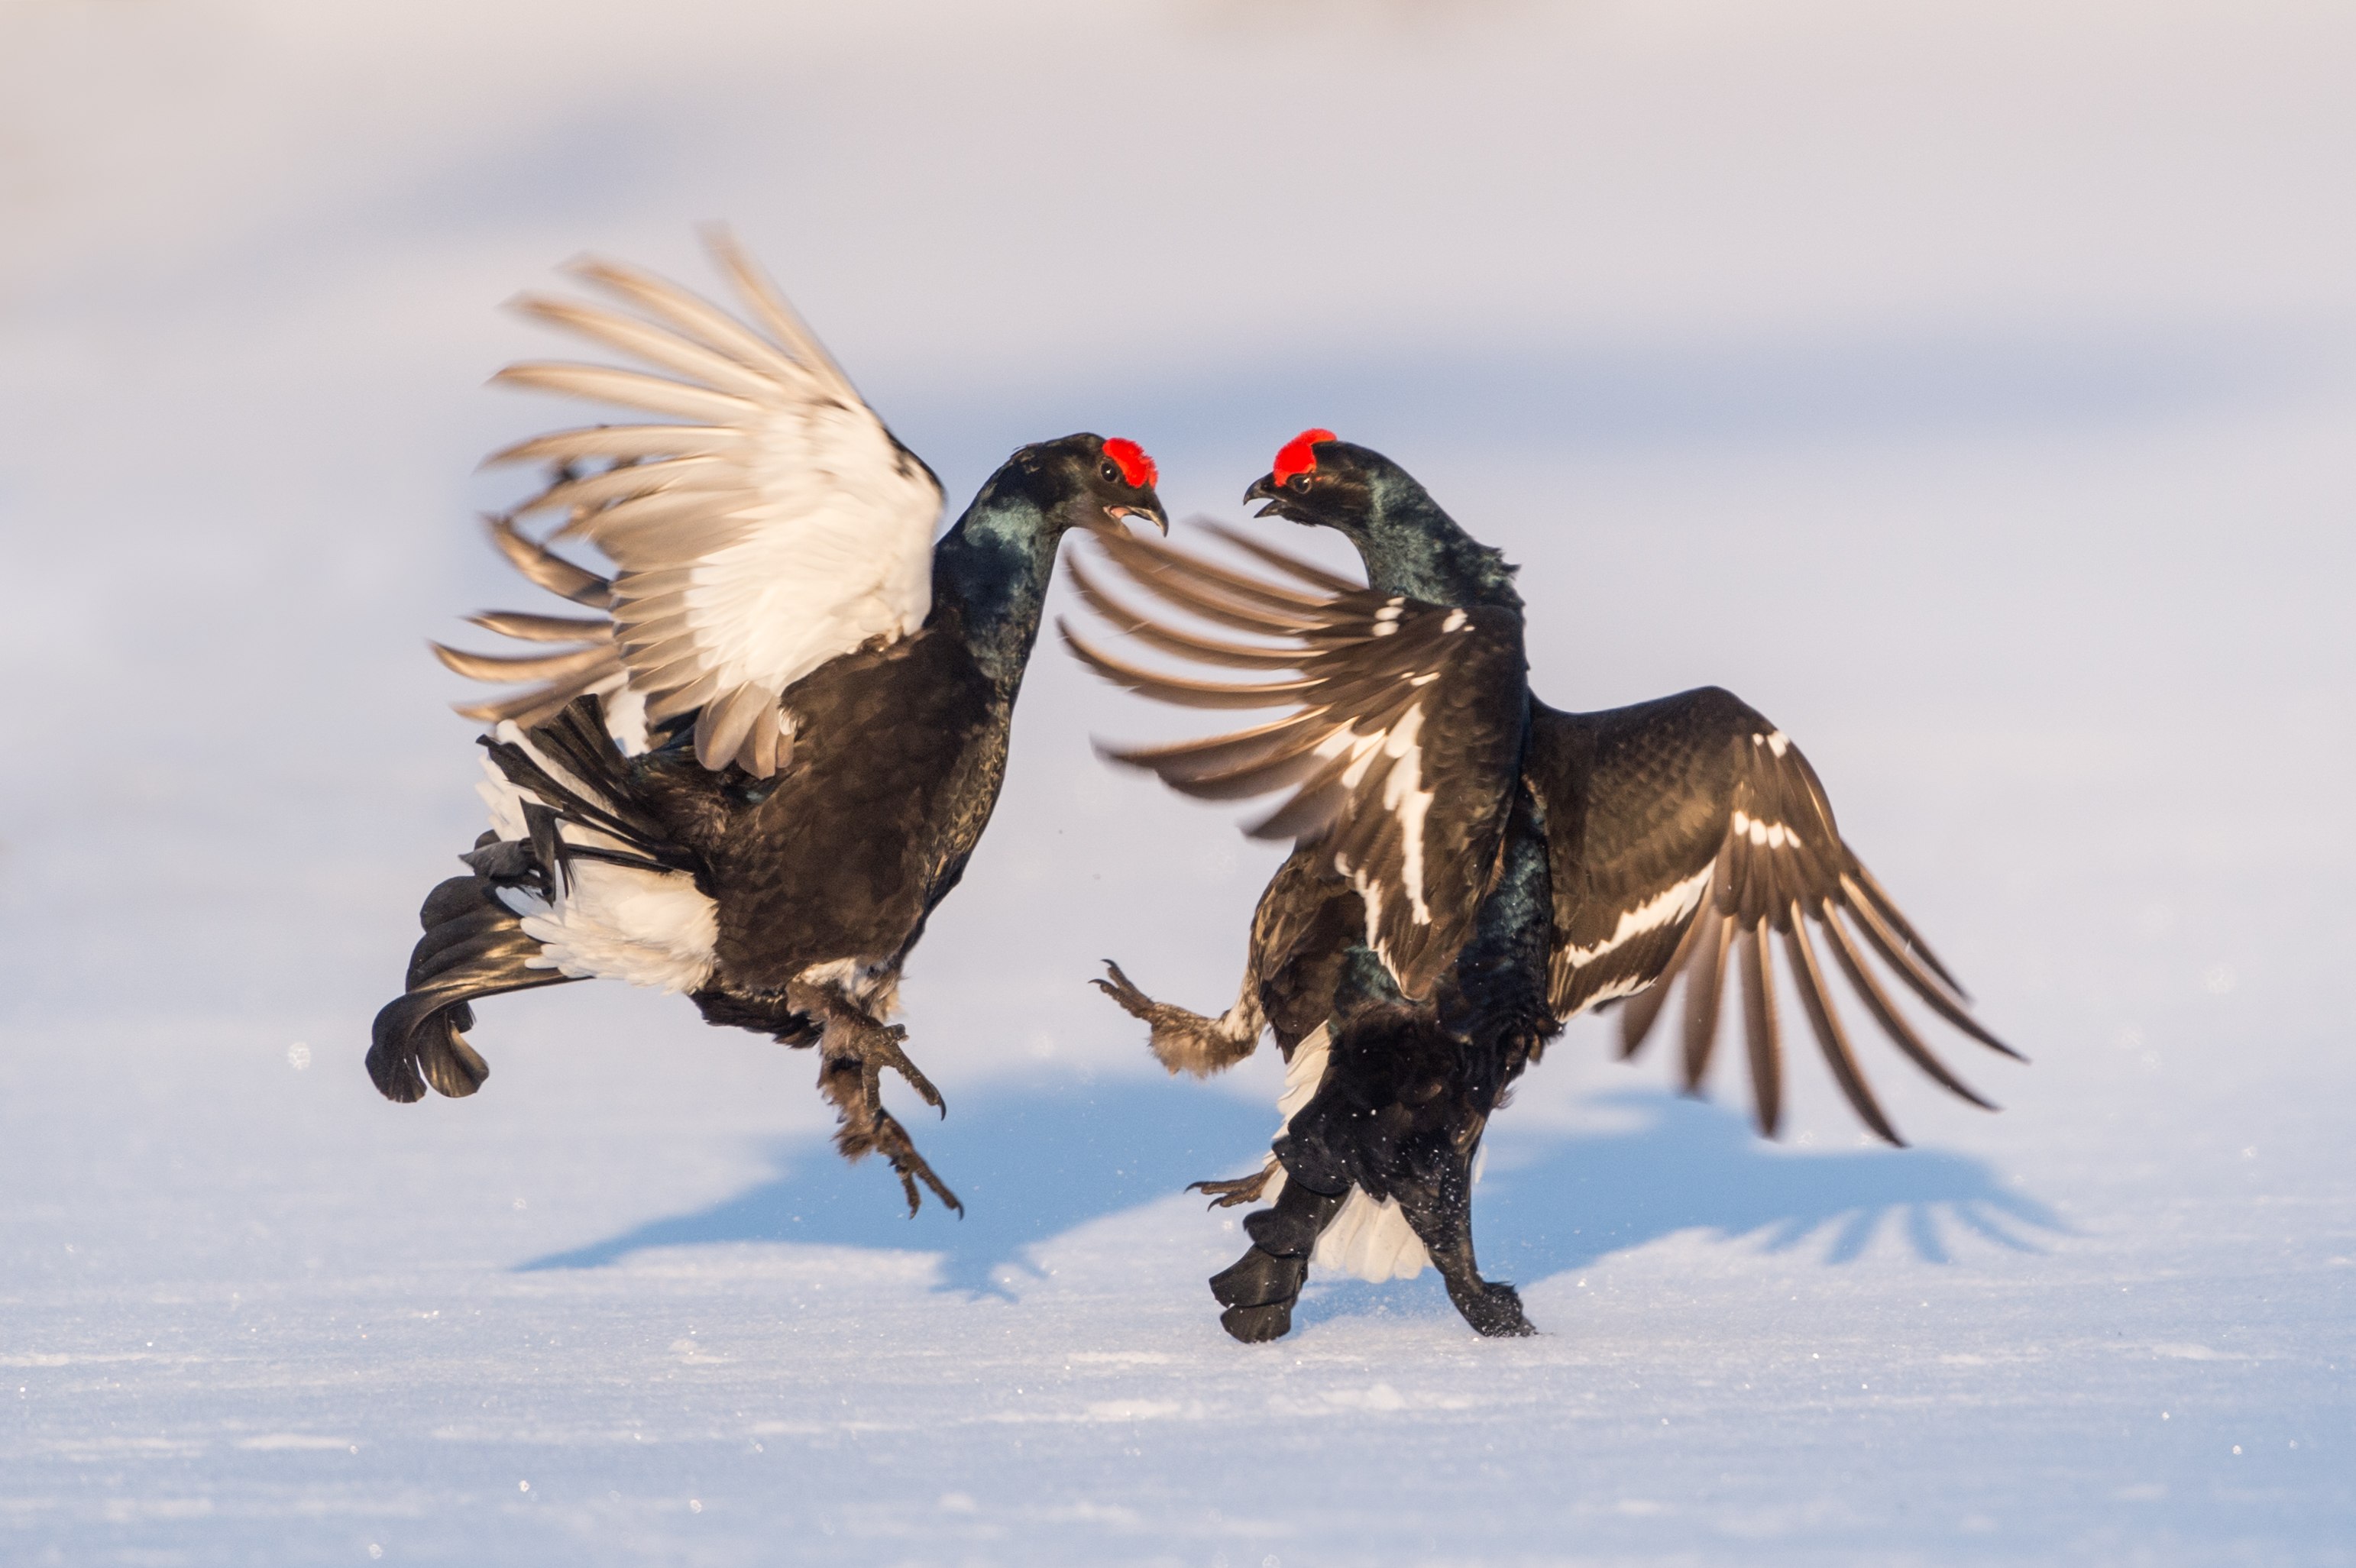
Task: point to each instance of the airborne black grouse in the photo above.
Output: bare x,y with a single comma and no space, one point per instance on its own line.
1472,869
780,736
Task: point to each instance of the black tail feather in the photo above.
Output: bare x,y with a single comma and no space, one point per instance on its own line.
577,741
474,946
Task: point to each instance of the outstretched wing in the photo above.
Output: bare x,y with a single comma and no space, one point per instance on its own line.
1688,831
1400,748
769,525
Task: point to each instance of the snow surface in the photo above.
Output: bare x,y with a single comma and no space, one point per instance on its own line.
1970,388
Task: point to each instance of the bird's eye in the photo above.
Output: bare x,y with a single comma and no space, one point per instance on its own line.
1298,484
1110,474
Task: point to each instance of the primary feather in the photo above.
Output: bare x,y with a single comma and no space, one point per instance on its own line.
759,763
1471,868
784,527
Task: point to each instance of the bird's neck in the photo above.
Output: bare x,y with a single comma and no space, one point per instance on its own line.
990,583
1413,548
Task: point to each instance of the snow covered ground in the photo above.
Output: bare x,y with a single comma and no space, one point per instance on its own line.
1971,389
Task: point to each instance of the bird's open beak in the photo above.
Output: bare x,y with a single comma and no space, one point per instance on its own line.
1160,518
1265,488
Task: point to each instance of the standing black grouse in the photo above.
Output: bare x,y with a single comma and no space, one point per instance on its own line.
778,741
1472,869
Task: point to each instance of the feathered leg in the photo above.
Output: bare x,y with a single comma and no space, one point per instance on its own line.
853,1049
1260,1288
1186,1041
1398,1115
1439,1207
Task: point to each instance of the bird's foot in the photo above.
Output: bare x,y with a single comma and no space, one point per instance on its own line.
1257,1291
891,1140
1494,1309
1259,1288
1242,1190
853,1034
1182,1041
856,1048
878,1047
866,1127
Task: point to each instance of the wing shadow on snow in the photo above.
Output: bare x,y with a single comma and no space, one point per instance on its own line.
1691,1165
1029,1161
1548,1203
1033,1160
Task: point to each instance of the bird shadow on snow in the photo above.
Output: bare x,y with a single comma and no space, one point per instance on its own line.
1030,1160
1034,1160
1553,1201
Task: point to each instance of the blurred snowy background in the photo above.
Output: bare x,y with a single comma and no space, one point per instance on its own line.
1970,387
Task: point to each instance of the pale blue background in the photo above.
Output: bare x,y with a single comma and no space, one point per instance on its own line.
1968,385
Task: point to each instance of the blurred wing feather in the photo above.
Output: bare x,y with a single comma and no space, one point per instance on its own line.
1399,749
778,527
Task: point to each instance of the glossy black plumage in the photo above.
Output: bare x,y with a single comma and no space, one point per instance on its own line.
1403,761
1643,800
1394,700
1682,837
885,768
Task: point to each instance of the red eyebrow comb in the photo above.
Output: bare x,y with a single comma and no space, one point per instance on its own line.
1295,456
1137,470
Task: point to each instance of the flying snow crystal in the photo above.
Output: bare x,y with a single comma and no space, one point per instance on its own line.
2220,979
298,1056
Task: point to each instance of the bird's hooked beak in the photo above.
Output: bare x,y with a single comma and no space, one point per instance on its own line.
1160,518
1266,488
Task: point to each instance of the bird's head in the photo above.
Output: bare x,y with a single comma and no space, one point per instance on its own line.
1323,482
1091,482
1408,543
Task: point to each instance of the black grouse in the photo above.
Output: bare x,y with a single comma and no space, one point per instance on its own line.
776,740
1473,868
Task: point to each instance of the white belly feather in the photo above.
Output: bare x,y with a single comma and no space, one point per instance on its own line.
607,921
1367,1240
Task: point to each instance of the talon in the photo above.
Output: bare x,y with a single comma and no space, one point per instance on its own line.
858,1051
1181,1041
910,1167
1241,1190
1124,992
888,1053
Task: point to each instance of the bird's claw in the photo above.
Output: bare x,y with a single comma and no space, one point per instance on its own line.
1181,1041
1124,992
891,1141
868,1128
1241,1191
879,1046
857,1048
